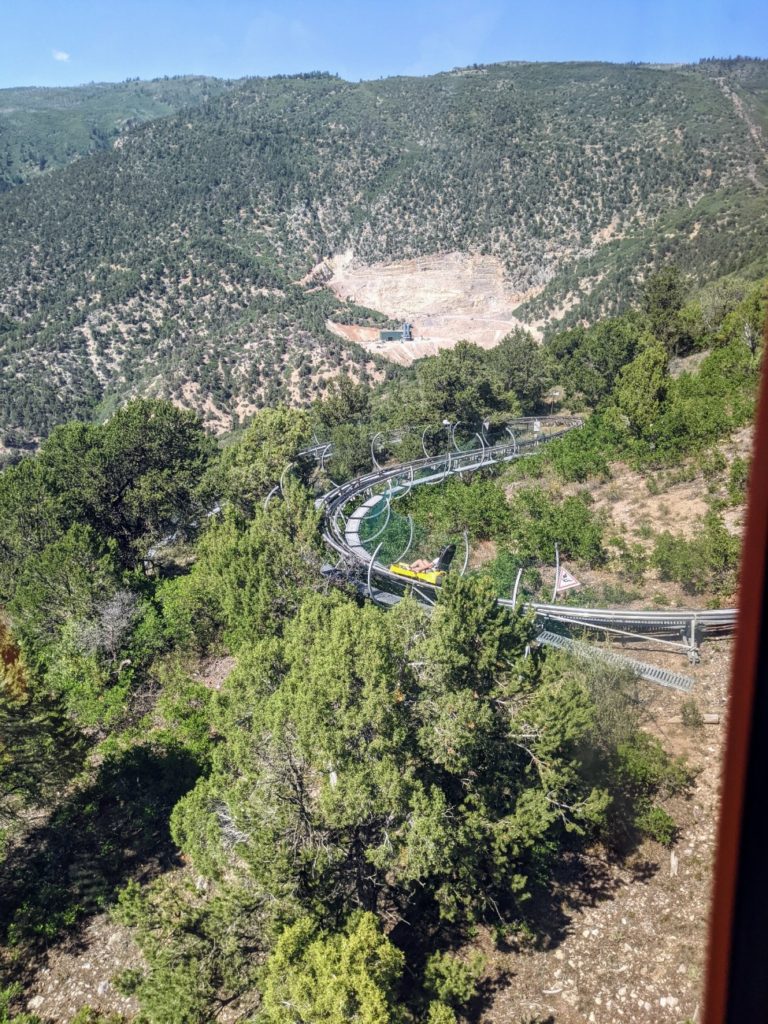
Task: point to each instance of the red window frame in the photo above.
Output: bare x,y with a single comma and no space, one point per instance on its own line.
737,967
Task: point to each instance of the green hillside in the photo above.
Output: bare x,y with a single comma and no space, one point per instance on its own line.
297,806
168,265
43,128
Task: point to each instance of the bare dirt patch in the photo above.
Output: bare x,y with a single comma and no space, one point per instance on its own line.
354,332
212,670
482,552
686,364
80,974
681,508
678,506
368,338
447,297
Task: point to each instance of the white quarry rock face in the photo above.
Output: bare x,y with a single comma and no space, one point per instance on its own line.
446,297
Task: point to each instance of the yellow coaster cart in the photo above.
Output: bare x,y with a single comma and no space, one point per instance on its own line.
427,572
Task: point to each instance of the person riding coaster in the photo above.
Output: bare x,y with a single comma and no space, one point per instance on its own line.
426,571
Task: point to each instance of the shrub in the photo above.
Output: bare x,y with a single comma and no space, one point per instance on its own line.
478,506
351,450
451,980
539,522
707,562
644,767
691,714
127,981
645,772
640,771
8,996
712,463
633,559
503,571
439,1013
330,979
580,454
738,480
191,614
655,823
615,593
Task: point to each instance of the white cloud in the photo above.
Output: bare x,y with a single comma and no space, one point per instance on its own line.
60,55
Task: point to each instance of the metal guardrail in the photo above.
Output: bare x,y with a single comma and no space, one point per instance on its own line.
669,620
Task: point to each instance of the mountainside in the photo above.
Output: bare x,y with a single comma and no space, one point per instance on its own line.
172,263
43,128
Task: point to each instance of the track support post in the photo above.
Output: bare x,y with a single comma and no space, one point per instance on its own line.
694,655
370,570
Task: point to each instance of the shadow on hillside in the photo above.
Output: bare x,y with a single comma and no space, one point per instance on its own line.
580,880
112,830
487,990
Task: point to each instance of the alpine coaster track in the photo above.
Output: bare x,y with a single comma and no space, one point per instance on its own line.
678,628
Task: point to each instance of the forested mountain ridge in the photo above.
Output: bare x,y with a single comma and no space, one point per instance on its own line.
168,264
45,128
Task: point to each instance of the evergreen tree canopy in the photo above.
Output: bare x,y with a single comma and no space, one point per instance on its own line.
350,976
132,481
255,463
364,766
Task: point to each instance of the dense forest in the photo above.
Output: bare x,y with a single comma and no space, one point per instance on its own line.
169,263
302,807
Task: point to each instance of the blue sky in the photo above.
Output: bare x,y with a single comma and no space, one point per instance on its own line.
65,42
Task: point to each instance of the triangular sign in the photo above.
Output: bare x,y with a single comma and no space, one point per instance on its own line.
566,580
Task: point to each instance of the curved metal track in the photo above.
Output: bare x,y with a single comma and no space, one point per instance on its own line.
341,533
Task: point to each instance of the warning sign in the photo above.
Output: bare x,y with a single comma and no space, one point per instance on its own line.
566,580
